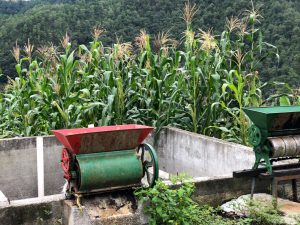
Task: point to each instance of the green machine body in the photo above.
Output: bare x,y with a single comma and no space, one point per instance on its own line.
107,158
274,134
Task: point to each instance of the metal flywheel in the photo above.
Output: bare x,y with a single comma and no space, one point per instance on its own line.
150,163
254,135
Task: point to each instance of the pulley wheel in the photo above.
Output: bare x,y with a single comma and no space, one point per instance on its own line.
149,162
254,135
65,163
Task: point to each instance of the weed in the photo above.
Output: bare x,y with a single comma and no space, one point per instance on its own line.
166,205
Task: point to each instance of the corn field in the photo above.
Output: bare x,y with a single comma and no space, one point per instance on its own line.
199,83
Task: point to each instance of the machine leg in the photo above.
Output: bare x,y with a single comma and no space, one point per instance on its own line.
78,201
274,192
294,186
252,187
268,162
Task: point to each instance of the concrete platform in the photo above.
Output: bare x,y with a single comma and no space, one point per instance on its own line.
290,210
119,208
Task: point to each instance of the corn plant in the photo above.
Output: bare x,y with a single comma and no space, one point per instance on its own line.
200,85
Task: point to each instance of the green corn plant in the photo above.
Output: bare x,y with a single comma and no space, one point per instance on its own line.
200,86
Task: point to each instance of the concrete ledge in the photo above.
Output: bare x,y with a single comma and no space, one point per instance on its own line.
216,191
35,201
18,143
44,211
3,200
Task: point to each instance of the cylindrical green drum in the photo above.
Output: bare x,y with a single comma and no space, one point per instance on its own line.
108,169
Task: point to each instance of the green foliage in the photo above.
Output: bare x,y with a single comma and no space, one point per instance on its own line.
165,205
45,21
201,88
284,96
259,211
14,7
174,204
263,213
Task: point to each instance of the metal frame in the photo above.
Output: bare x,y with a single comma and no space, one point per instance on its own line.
280,173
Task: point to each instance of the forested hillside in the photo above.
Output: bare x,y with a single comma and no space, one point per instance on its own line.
45,22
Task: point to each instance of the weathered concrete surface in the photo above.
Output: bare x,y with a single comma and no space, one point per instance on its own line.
18,167
241,207
217,190
117,208
33,211
52,167
3,200
18,171
199,155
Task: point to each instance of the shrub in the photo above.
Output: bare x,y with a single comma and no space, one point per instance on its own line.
166,206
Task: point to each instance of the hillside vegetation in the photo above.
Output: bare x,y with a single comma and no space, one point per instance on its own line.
200,86
46,21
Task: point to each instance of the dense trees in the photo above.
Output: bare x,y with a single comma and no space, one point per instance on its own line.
44,21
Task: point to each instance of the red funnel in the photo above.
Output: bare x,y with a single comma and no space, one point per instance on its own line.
102,139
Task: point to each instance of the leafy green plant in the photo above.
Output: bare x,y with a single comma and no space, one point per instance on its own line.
258,211
284,94
173,204
166,205
264,213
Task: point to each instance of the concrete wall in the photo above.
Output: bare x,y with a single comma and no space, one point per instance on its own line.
199,155
18,167
53,173
18,171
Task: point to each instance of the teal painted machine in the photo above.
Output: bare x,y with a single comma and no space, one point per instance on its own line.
275,134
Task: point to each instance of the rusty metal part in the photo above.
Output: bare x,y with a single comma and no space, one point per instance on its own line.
277,147
290,145
297,140
284,146
65,163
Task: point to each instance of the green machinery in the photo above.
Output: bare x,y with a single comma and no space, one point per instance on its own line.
275,134
107,158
